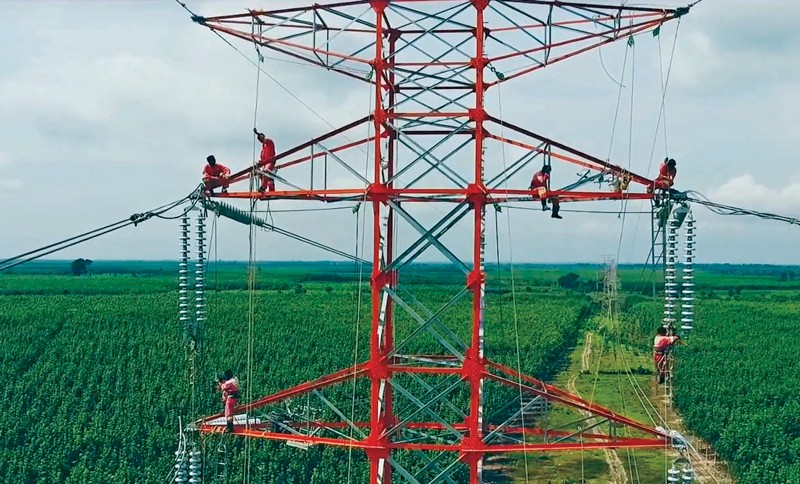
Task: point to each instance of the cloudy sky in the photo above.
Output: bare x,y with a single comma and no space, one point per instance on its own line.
109,108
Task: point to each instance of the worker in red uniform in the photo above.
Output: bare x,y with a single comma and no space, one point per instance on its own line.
666,175
266,161
229,386
539,185
661,346
215,175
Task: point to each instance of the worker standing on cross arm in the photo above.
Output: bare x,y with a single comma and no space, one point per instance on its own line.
539,185
661,346
215,175
266,161
229,386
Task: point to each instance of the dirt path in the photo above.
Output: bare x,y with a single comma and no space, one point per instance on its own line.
615,465
708,467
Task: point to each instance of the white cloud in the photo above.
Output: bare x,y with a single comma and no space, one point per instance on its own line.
746,192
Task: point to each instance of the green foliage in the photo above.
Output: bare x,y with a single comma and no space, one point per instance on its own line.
80,267
96,379
736,383
569,281
95,372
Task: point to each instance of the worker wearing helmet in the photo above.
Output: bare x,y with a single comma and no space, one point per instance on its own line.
539,185
229,386
215,175
666,175
266,161
661,346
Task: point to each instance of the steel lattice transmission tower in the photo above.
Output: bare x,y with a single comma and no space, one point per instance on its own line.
428,66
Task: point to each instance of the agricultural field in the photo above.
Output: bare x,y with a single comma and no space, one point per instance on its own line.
96,374
736,379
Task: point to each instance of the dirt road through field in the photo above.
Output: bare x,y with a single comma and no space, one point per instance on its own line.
617,468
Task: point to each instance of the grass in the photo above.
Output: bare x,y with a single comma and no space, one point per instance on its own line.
612,387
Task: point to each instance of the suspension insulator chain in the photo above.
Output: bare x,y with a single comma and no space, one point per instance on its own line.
687,296
670,284
183,278
200,281
195,467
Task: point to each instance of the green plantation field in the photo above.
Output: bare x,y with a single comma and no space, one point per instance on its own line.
739,382
96,377
736,380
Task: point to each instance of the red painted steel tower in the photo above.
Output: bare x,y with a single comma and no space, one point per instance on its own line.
433,391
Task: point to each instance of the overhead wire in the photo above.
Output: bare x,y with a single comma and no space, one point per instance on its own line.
722,209
85,234
134,220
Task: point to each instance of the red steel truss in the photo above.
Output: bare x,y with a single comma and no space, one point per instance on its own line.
427,141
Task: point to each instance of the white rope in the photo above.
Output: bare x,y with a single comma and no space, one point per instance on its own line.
513,289
251,277
360,283
625,200
662,114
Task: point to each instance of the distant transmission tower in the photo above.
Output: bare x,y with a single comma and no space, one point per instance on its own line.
610,288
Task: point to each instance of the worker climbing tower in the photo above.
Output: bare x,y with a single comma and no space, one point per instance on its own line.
436,403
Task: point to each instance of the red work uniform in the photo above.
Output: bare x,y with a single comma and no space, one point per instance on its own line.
660,346
666,177
539,183
267,161
216,176
230,396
